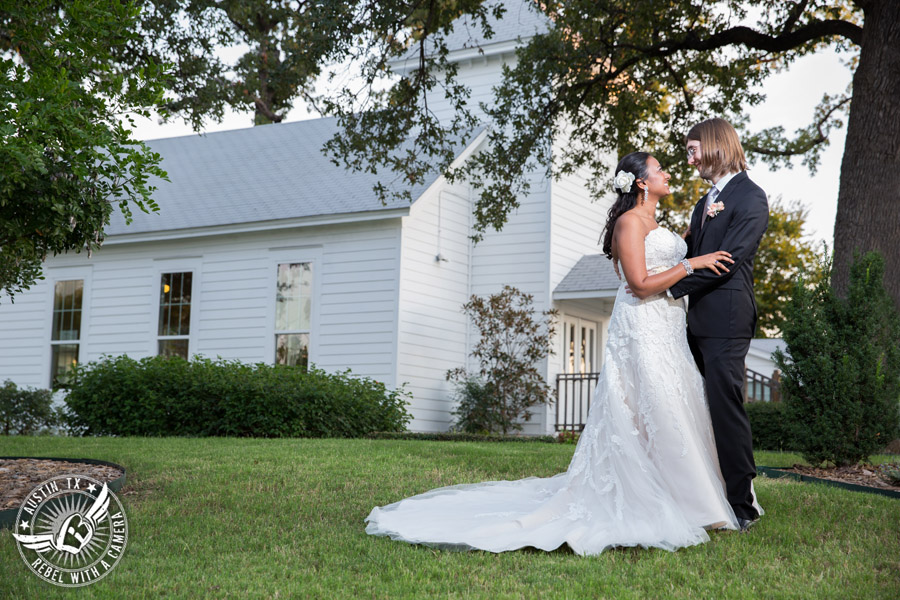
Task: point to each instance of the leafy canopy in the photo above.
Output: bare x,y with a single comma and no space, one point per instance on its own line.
607,77
66,159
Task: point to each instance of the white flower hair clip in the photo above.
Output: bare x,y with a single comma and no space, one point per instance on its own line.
623,181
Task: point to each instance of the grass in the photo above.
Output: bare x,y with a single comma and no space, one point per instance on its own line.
250,518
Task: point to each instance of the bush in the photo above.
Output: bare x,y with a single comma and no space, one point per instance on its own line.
513,341
842,384
769,429
477,410
161,396
26,411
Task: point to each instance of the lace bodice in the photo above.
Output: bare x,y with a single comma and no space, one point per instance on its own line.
662,249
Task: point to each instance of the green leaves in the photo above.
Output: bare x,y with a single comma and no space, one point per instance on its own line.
160,396
513,341
842,380
66,160
607,78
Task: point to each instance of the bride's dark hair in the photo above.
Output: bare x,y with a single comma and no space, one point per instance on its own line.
636,164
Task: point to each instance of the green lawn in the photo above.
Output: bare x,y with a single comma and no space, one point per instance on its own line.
249,518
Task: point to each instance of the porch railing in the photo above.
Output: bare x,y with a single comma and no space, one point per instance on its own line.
573,399
759,388
575,390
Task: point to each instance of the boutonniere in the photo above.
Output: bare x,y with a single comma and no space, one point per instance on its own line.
714,209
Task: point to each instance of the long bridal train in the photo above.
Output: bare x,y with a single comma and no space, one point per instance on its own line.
644,472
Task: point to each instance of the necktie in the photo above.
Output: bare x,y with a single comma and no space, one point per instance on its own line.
710,200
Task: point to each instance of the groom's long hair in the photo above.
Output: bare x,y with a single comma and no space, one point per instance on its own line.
636,164
721,151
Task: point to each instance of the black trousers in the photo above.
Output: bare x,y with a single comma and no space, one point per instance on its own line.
721,362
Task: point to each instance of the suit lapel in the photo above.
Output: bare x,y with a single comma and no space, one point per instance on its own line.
697,223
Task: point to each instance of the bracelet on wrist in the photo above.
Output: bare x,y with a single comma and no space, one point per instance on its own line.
687,266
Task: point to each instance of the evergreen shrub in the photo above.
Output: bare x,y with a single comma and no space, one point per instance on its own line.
170,396
25,411
770,431
841,385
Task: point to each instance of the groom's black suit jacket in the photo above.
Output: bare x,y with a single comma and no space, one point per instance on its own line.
723,306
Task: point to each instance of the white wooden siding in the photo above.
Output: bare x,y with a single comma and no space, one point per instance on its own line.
355,275
431,325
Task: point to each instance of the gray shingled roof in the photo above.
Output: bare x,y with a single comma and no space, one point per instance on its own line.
261,173
592,273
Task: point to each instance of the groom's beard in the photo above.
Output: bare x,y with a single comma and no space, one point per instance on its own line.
706,173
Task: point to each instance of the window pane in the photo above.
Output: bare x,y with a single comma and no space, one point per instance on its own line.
591,345
67,296
64,357
583,348
173,348
292,349
293,297
175,304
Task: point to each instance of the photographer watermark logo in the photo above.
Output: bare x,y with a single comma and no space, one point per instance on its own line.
71,530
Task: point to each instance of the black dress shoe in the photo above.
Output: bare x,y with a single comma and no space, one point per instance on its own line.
746,524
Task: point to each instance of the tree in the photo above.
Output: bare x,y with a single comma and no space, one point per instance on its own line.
280,47
613,76
784,254
842,382
66,159
507,383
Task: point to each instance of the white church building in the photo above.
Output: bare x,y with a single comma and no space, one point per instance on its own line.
265,251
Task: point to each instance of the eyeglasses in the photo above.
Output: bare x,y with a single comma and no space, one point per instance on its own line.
692,151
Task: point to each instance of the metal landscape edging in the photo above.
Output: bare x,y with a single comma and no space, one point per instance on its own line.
779,472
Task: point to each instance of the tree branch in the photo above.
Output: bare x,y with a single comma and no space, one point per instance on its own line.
748,37
795,13
759,41
821,137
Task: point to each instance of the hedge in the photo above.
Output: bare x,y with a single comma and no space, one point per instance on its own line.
170,396
767,422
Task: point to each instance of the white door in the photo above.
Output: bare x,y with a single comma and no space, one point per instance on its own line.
580,342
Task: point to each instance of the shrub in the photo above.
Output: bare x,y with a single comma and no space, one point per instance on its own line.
169,396
513,341
478,409
768,426
26,411
567,436
842,384
889,473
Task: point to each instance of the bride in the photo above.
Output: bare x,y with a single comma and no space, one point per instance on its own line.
645,470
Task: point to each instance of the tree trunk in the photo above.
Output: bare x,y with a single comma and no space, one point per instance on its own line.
868,212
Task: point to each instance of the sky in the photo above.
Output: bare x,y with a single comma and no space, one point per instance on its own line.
791,100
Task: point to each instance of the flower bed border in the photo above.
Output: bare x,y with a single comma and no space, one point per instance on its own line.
8,516
779,472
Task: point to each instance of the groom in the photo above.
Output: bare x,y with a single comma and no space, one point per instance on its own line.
732,216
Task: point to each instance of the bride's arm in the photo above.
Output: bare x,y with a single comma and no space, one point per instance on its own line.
629,241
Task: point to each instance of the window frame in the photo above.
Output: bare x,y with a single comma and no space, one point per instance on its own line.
54,276
280,256
168,266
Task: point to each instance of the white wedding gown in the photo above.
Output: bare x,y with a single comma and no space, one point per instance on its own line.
644,472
